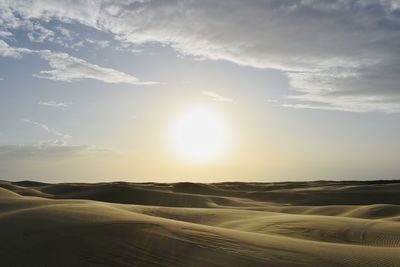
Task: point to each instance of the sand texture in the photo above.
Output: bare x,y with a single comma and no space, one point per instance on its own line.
316,224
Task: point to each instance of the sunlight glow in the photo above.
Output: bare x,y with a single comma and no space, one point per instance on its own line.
199,135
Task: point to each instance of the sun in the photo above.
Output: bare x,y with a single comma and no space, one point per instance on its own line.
199,135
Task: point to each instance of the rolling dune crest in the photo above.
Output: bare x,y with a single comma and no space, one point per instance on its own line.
185,224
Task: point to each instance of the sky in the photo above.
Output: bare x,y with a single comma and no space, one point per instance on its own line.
203,91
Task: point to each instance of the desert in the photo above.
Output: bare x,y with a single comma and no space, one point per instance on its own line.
323,223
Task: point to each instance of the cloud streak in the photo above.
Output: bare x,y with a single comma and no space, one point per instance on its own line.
47,129
67,68
218,98
54,104
8,51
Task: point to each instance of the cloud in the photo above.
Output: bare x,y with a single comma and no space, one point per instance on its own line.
216,97
68,69
337,54
5,34
59,105
101,44
53,142
50,149
8,51
47,129
38,33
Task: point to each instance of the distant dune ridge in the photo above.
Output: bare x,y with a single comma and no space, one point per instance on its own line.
322,223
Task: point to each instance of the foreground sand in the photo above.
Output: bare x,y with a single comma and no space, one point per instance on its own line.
186,224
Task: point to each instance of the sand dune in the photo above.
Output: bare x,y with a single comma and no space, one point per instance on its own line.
185,224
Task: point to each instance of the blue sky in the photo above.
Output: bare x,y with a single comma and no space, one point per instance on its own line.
308,89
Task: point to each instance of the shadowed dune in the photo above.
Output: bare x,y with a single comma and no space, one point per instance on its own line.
323,223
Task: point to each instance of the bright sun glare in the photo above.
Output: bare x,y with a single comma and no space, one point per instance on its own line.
200,135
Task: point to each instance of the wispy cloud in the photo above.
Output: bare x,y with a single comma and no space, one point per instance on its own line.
100,44
69,69
217,97
54,104
47,129
5,34
8,51
53,142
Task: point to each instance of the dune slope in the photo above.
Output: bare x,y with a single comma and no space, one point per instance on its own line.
185,224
